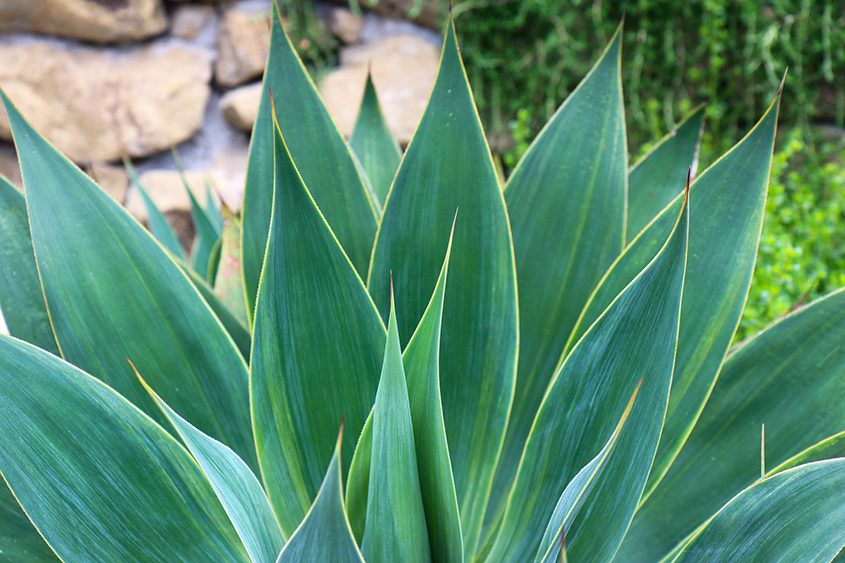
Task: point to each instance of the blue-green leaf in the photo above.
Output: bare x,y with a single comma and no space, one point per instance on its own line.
157,222
114,292
566,200
446,167
633,340
21,299
321,154
235,485
325,533
99,479
395,528
318,343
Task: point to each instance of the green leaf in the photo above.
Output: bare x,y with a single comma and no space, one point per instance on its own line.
98,478
658,177
157,222
229,282
634,340
373,143
421,360
566,200
325,533
235,485
212,209
725,234
797,515
207,234
21,299
395,527
573,496
313,140
317,348
114,293
791,377
448,166
238,331
19,540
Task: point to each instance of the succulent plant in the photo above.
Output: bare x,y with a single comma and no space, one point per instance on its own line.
405,360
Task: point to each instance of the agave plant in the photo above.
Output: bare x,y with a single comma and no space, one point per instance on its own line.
358,375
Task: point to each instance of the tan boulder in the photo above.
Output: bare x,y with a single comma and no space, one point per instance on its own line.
344,25
99,21
243,40
99,105
191,20
403,66
240,106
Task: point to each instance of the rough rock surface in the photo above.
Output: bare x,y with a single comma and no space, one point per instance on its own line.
242,42
192,20
113,179
98,21
99,105
240,106
403,67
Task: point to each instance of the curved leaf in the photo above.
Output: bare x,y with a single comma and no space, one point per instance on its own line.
314,141
318,343
395,528
791,377
114,293
573,496
448,166
634,339
325,534
21,299
797,515
725,234
566,200
156,221
657,178
235,485
373,143
99,479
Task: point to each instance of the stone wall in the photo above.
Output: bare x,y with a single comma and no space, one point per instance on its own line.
108,79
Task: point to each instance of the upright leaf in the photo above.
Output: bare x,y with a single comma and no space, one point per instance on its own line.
573,496
321,154
634,340
448,166
114,293
395,528
798,515
212,207
207,233
566,200
657,178
317,347
235,485
731,195
421,360
157,222
373,143
791,377
229,281
21,299
325,534
98,478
